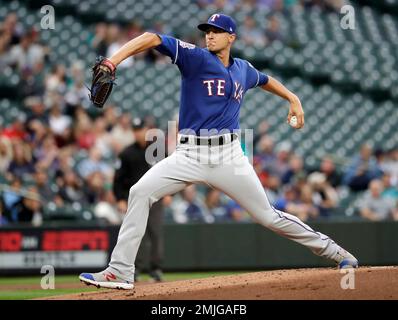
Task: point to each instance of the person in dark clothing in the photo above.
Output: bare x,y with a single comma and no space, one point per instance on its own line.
133,166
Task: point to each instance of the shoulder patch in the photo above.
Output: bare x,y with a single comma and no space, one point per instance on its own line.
186,45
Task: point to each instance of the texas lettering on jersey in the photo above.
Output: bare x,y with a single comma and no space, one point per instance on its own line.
211,93
217,87
238,95
220,84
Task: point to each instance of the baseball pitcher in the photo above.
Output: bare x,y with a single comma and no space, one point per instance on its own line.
208,151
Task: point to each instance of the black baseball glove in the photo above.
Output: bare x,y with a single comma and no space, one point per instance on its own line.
103,80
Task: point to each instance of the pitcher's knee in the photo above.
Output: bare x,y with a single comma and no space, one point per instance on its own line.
137,191
267,218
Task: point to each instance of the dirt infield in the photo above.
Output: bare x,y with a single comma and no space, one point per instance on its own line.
370,283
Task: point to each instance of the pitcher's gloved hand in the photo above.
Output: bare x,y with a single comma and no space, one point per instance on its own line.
102,82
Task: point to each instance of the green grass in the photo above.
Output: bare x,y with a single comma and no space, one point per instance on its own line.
32,294
23,294
36,280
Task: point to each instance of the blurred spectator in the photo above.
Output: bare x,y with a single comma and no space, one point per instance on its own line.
373,206
132,164
66,163
214,210
57,121
22,162
134,30
65,139
122,133
246,5
3,219
77,94
250,34
26,54
46,154
56,79
272,32
266,154
283,154
389,191
13,28
150,121
260,172
328,168
84,135
298,202
93,164
235,212
37,133
6,154
188,206
17,130
289,200
272,186
389,165
325,5
106,209
111,115
94,188
262,130
103,139
4,54
295,170
36,109
290,3
307,208
10,198
324,197
219,5
362,169
43,185
99,41
31,83
30,208
70,187
55,85
269,4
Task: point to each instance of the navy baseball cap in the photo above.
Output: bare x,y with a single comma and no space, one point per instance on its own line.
220,21
138,123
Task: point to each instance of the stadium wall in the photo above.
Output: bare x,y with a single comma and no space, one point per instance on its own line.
191,247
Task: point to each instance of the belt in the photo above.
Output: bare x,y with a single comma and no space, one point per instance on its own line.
214,141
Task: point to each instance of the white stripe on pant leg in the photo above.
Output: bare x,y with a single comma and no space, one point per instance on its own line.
293,228
249,193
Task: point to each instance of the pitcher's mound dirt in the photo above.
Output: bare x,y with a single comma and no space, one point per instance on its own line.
369,283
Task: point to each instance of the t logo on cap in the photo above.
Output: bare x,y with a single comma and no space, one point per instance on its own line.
214,17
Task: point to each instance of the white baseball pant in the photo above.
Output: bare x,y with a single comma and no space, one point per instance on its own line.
222,167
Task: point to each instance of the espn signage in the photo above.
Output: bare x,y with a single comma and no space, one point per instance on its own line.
32,248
